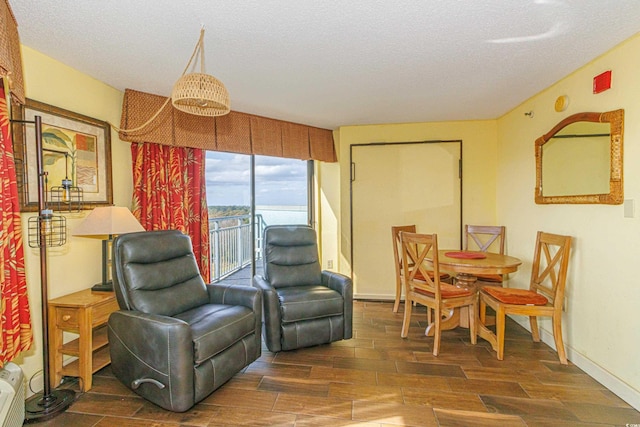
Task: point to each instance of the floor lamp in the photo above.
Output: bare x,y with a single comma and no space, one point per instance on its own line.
45,230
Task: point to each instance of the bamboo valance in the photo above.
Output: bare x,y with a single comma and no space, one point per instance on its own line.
10,57
235,132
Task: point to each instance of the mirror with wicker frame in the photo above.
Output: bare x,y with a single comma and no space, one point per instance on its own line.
580,160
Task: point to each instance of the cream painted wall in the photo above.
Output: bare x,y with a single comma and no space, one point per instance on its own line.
601,322
327,223
478,158
330,202
76,265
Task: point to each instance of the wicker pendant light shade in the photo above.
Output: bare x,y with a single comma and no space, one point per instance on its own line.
200,93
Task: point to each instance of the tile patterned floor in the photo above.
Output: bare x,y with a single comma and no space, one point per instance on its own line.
380,379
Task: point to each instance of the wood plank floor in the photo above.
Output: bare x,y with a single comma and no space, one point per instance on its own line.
380,379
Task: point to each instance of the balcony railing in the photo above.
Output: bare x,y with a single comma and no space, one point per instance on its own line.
230,240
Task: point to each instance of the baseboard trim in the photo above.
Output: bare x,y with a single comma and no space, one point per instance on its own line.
374,297
595,371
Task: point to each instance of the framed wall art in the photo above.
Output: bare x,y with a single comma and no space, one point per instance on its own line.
74,147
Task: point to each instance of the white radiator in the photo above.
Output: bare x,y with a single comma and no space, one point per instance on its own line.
11,396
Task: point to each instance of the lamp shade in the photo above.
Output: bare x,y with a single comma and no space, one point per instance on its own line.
200,94
106,221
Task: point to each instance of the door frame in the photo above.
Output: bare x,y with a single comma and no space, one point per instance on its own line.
352,174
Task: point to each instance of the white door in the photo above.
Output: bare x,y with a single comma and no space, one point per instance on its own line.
400,184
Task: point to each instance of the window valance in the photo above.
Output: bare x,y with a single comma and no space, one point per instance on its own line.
235,132
10,57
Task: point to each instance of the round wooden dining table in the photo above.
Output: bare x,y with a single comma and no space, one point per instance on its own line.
467,265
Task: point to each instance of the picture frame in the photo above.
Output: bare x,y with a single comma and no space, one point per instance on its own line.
74,147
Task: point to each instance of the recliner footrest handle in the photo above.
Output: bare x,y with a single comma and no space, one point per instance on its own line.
136,383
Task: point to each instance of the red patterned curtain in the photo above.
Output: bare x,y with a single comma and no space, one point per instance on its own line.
169,192
16,333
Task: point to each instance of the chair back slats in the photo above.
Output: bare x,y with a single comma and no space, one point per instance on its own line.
397,251
550,264
483,236
415,248
420,273
397,260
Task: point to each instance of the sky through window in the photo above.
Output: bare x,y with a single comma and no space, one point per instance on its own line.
279,181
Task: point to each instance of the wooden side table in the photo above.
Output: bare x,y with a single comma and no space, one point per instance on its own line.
84,313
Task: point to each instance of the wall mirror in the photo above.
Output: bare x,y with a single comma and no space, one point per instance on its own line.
580,160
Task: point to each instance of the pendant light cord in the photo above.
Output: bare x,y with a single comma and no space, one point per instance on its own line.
199,48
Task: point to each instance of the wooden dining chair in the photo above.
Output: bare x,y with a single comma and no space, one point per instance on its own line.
428,289
545,296
482,238
397,256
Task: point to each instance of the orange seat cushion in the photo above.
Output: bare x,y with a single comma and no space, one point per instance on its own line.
496,278
516,296
448,291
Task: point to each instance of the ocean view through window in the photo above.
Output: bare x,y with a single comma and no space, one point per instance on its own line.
280,197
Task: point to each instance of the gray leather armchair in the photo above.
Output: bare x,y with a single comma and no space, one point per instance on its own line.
303,306
176,339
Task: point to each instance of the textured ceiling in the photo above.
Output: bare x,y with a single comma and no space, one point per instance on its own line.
329,63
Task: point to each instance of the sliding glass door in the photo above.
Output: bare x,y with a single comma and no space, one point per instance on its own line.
281,190
276,190
229,201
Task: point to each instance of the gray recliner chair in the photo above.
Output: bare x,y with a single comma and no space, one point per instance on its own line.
176,339
303,306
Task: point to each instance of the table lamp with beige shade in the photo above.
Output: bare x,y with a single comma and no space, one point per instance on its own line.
105,222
